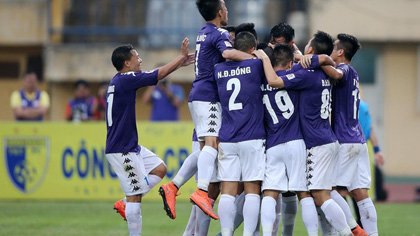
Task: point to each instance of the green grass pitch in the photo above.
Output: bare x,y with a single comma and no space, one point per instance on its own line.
44,218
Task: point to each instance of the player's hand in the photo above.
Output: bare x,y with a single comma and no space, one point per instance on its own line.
379,158
271,45
260,54
306,61
188,60
184,47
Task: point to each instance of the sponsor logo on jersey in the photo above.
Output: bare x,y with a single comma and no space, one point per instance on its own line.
27,160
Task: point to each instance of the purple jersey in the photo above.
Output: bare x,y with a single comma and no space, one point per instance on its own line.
281,118
120,110
26,103
210,44
314,105
238,85
345,107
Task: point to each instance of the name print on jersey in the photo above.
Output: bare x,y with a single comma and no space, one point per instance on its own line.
201,38
234,72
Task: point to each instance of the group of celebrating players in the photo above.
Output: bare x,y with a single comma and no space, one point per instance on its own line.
262,120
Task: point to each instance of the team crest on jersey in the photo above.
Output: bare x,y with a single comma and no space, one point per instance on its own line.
290,76
27,159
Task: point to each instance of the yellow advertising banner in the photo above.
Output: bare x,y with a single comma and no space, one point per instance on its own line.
67,160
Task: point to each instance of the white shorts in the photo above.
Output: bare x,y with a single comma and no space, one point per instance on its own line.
132,169
207,118
286,167
320,166
353,167
242,161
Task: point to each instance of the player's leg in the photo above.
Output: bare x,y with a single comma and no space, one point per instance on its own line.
294,158
190,228
275,181
309,213
319,169
252,162
169,191
227,209
132,175
268,211
251,206
288,212
326,228
347,165
276,225
207,121
229,172
202,219
359,191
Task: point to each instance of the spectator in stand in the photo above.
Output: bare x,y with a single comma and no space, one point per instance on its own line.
99,113
82,106
165,98
29,103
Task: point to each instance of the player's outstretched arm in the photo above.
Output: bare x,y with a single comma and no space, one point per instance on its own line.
333,72
270,74
323,60
236,55
184,59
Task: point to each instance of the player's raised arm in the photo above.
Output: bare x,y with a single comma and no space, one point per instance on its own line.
332,72
184,59
270,74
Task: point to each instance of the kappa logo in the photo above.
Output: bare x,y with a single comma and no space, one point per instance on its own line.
27,159
213,109
211,130
213,116
309,162
134,181
131,174
128,168
212,123
126,160
124,153
136,188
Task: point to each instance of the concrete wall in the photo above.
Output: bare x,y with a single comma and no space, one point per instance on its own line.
374,20
23,22
69,62
402,118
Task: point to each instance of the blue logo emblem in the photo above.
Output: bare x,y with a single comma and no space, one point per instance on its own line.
27,159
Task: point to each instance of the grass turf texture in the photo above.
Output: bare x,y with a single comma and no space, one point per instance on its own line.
98,218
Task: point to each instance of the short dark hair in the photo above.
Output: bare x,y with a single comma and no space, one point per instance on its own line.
248,27
322,43
349,44
282,54
81,82
244,41
30,71
208,8
120,55
229,28
283,30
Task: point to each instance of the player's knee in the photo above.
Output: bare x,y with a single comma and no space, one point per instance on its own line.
212,142
359,194
160,170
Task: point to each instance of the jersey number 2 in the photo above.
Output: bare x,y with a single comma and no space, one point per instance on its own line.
232,105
